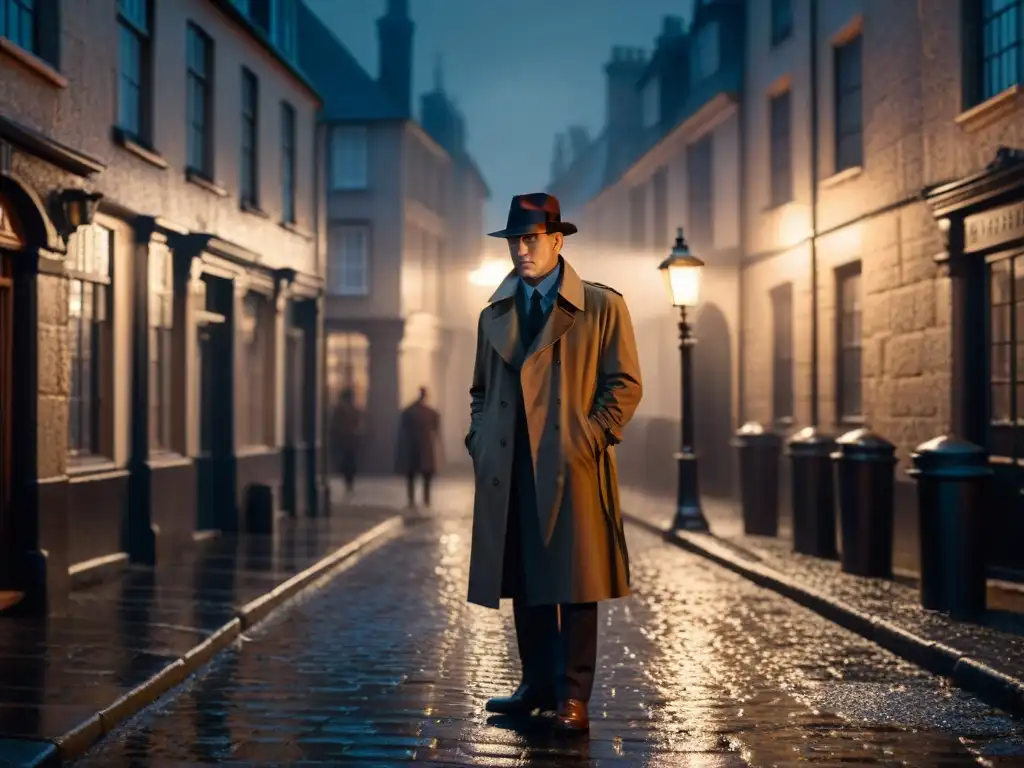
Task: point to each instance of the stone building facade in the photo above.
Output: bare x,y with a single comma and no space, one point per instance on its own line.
880,218
402,194
161,292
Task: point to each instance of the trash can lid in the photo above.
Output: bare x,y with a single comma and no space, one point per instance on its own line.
863,441
949,456
753,433
811,440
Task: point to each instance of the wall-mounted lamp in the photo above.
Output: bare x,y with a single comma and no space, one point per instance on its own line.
78,208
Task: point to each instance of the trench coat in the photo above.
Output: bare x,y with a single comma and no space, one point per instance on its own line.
418,443
580,383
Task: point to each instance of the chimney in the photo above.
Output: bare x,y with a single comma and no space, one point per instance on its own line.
394,35
623,102
559,159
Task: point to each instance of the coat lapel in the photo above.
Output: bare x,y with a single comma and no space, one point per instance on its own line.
502,325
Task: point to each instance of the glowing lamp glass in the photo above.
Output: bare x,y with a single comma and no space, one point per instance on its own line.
683,283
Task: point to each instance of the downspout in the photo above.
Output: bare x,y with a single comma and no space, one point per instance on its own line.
741,379
319,158
815,414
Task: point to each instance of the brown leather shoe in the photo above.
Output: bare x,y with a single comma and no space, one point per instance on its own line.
571,716
526,699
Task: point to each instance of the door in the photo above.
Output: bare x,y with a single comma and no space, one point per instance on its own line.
1005,302
6,320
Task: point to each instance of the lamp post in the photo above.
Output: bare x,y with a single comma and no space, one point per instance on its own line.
682,272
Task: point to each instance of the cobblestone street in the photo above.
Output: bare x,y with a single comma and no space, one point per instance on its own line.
387,665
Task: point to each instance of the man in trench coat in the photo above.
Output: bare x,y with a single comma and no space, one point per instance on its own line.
418,446
556,379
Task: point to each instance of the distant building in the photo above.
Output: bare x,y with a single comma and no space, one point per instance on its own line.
880,218
405,213
160,280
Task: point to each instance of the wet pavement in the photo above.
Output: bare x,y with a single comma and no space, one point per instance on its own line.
56,674
387,665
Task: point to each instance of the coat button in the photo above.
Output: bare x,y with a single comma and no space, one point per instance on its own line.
558,401
504,404
556,427
503,442
558,361
495,482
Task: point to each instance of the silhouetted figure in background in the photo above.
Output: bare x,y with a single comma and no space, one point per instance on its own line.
346,431
418,446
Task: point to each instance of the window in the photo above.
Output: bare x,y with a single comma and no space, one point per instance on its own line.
350,266
133,68
89,259
287,162
781,149
161,328
200,102
651,98
996,27
348,367
705,52
659,187
250,177
286,27
638,216
260,14
255,331
782,352
349,166
700,192
849,143
782,20
18,23
1006,355
848,344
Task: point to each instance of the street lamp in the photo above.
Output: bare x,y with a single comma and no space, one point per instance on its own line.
682,272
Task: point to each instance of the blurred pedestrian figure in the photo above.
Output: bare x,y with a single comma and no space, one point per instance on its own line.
419,446
346,432
556,379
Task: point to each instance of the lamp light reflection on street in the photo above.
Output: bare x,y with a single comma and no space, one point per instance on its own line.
490,273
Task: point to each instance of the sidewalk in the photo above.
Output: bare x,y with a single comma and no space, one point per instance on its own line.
64,682
986,658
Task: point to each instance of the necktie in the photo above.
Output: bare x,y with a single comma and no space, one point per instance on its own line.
535,320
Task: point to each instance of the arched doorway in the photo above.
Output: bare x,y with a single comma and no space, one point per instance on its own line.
10,241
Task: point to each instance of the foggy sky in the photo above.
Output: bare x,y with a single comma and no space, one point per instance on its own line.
520,71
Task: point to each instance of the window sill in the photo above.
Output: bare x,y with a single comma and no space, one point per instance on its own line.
844,175
193,176
152,157
166,460
32,63
350,294
992,110
90,468
295,229
351,188
256,450
255,210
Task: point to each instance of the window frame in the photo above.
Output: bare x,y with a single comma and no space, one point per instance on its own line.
93,418
844,95
21,9
337,267
289,135
249,169
783,357
780,148
976,56
340,182
195,33
160,297
141,134
844,414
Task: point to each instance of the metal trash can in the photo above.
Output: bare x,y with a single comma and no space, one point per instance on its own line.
865,469
952,477
813,493
759,452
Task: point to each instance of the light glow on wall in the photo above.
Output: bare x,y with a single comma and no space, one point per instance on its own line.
490,273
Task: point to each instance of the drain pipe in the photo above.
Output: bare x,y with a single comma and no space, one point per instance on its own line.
815,142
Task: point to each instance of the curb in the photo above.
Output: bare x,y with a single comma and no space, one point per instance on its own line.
77,741
991,686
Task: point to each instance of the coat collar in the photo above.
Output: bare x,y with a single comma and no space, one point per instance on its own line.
570,289
502,326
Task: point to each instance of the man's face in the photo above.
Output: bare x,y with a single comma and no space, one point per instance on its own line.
534,256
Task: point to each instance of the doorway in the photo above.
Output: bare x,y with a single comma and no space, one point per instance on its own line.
215,498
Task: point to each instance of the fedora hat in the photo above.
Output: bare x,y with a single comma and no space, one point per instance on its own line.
534,214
